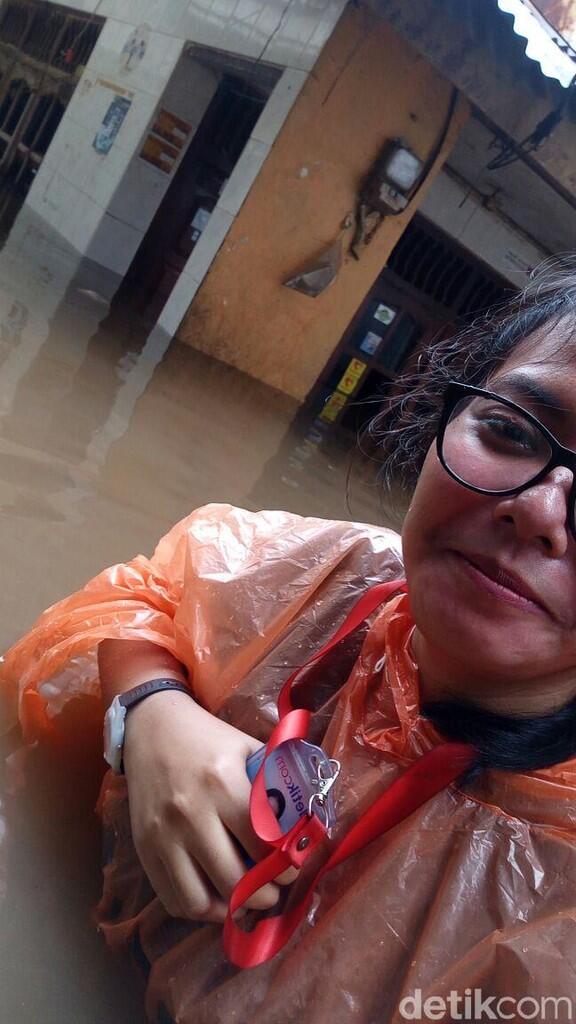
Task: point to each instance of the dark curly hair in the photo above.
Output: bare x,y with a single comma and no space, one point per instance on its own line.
403,431
404,428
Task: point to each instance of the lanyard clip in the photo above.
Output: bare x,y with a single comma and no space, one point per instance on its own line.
324,781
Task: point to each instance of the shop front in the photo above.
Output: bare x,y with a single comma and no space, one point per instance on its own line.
429,286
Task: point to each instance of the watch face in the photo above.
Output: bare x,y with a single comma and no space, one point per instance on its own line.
114,734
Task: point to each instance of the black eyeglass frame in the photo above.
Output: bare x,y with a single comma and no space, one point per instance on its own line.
560,456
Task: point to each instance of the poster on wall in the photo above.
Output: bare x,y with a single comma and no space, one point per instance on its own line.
370,343
159,153
171,128
135,47
166,140
333,407
354,371
111,124
385,314
199,222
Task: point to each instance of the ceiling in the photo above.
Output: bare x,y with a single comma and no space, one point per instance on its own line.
515,191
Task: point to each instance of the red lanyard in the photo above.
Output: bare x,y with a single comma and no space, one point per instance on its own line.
427,776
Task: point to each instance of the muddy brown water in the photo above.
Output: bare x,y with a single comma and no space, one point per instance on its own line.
109,435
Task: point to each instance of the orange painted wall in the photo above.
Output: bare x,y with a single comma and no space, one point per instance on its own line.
367,87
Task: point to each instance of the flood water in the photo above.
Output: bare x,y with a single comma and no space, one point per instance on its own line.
109,435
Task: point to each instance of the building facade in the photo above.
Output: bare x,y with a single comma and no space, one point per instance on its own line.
304,189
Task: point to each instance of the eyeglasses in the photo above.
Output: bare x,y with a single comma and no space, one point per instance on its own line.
493,446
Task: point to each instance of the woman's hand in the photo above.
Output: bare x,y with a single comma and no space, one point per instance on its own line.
189,806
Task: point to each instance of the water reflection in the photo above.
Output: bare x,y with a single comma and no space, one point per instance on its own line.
112,433
108,435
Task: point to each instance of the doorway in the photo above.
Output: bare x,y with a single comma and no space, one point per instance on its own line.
187,205
429,285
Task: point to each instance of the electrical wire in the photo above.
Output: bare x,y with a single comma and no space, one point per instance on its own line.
433,155
511,151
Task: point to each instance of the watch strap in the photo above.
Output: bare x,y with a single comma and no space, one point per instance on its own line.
138,693
143,690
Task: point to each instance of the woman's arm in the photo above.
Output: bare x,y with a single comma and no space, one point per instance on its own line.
123,664
187,786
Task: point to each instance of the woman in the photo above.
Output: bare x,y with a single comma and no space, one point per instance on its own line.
468,906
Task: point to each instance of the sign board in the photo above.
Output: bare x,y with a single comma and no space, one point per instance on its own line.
166,140
159,153
334,404
171,128
111,124
351,376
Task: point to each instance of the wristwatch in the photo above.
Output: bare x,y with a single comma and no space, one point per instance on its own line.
115,717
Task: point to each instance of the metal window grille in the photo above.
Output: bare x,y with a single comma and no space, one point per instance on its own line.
42,50
443,272
48,33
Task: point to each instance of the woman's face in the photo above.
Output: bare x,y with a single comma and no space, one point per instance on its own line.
493,580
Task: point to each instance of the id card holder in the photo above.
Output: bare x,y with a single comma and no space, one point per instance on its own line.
299,778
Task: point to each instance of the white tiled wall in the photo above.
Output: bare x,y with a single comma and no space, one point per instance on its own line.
88,180
279,105
103,204
148,75
243,175
286,32
237,188
142,186
182,295
462,216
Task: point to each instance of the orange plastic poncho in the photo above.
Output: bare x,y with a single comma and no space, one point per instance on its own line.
475,891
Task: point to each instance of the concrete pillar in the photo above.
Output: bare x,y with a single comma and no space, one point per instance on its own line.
76,183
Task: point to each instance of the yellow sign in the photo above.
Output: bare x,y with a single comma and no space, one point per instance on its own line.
352,375
333,405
